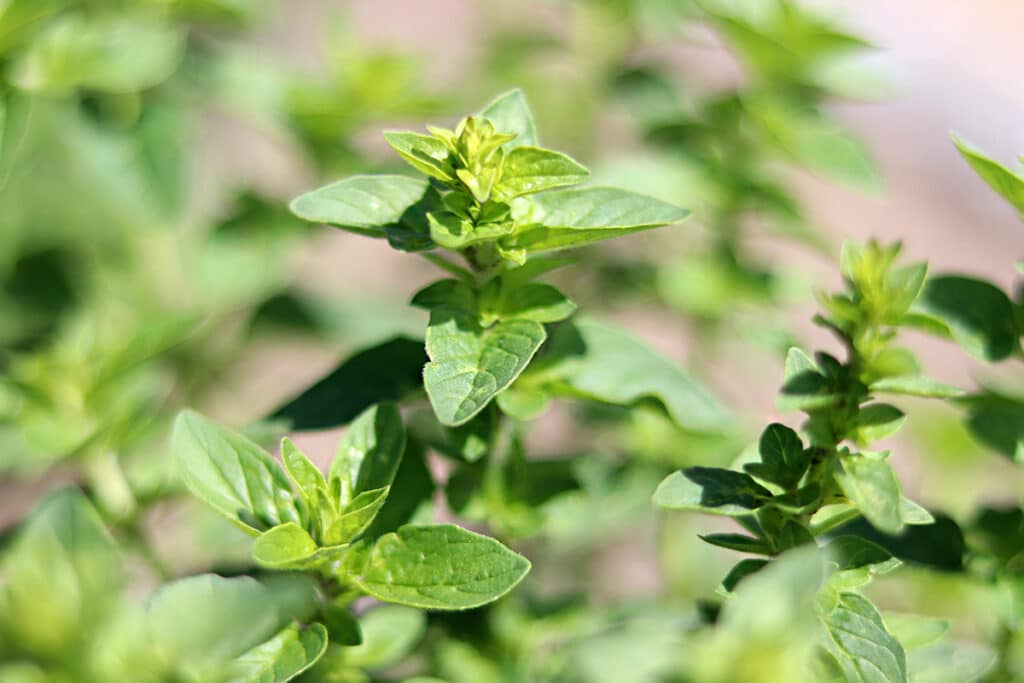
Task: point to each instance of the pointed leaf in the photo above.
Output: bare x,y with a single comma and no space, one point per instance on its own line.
510,113
281,658
232,474
289,546
976,314
425,153
711,490
357,516
435,567
872,487
857,638
370,452
916,385
303,473
738,542
469,365
569,218
879,421
533,169
1008,184
367,204
783,458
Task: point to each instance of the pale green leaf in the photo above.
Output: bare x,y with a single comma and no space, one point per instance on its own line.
872,487
232,475
357,516
864,650
281,658
289,546
569,218
916,385
425,153
1007,183
470,364
367,204
435,567
308,479
510,113
370,452
533,169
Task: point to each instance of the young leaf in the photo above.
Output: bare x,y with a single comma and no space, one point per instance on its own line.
369,454
413,479
357,516
804,386
712,490
386,372
872,487
232,475
510,113
286,546
854,552
783,458
572,218
425,153
281,658
303,473
864,650
435,567
452,231
975,313
366,204
533,169
1008,184
469,364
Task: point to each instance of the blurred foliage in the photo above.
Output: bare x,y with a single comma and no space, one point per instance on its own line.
147,260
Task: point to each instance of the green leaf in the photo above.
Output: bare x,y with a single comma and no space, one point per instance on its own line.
455,232
572,218
916,385
998,422
1008,184
975,313
342,627
369,454
232,475
711,490
854,552
740,571
872,487
606,363
449,292
308,479
390,632
864,650
533,169
951,662
914,631
289,546
281,658
470,364
804,386
523,403
530,301
366,204
738,542
357,516
425,153
413,479
914,514
878,421
783,458
386,372
435,567
510,113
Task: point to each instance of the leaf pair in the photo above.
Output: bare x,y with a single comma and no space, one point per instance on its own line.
321,525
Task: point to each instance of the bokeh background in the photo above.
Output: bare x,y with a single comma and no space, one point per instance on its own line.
148,260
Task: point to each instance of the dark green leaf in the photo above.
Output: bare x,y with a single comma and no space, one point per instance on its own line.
738,542
783,458
976,314
386,372
853,552
804,386
712,490
878,421
998,422
742,570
